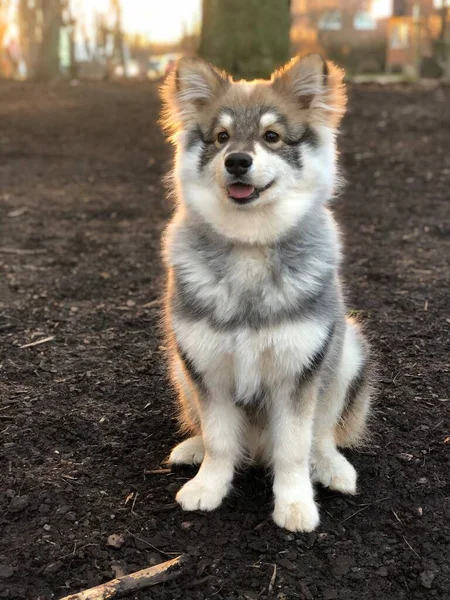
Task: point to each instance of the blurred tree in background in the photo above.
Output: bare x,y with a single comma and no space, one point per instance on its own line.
40,22
248,39
43,24
117,31
48,56
442,44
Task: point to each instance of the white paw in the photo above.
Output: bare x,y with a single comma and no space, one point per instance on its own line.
189,452
296,516
196,495
335,473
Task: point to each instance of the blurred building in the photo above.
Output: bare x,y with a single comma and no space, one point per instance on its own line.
412,32
351,32
371,35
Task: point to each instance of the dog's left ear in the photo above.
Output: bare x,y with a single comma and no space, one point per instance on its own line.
315,85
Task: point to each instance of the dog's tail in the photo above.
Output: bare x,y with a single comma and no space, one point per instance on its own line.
351,428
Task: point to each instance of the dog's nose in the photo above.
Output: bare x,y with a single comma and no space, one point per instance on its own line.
238,163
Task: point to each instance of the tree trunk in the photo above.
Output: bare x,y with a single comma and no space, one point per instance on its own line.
442,46
443,27
248,39
27,32
48,61
73,70
119,51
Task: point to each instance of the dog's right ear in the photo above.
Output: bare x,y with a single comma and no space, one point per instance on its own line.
191,86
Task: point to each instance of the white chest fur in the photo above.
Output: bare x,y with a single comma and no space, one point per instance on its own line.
243,360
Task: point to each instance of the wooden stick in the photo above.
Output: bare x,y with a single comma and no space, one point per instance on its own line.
157,471
38,342
152,303
23,251
122,586
272,580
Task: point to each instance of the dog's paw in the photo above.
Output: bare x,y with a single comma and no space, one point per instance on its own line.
189,452
335,473
198,495
296,516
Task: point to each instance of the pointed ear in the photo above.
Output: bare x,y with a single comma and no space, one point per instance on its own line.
315,85
192,85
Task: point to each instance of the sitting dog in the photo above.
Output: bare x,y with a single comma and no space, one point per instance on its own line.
265,363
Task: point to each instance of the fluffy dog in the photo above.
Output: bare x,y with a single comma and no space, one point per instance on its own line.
265,363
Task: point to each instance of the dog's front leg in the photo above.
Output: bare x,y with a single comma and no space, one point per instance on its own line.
291,424
221,422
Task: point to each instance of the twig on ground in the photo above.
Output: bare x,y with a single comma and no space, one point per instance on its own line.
157,471
261,525
72,554
122,586
150,545
397,517
165,508
410,547
134,502
152,303
363,508
17,213
396,375
23,251
38,342
129,497
272,579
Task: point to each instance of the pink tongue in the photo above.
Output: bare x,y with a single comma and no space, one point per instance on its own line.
240,190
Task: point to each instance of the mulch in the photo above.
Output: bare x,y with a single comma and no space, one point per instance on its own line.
87,416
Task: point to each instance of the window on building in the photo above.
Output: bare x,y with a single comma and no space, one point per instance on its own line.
364,21
331,20
399,36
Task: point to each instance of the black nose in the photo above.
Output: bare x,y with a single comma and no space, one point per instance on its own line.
238,163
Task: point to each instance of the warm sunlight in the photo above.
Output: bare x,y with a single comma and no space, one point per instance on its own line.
381,9
157,20
161,21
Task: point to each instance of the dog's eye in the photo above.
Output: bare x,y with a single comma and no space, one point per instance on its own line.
271,137
223,137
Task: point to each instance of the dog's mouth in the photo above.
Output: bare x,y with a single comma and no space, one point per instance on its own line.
243,193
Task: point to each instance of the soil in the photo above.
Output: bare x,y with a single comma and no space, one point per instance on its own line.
87,417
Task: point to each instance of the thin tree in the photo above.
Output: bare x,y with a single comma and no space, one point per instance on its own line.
119,51
27,19
442,45
443,13
70,22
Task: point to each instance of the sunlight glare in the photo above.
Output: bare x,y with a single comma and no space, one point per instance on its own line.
157,20
381,9
161,21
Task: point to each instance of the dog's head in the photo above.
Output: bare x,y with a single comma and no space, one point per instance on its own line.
253,157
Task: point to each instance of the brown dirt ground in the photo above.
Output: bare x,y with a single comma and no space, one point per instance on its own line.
84,417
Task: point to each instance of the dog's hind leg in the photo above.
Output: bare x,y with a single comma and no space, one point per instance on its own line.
341,415
190,451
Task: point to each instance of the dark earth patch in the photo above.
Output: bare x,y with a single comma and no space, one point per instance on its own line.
84,417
